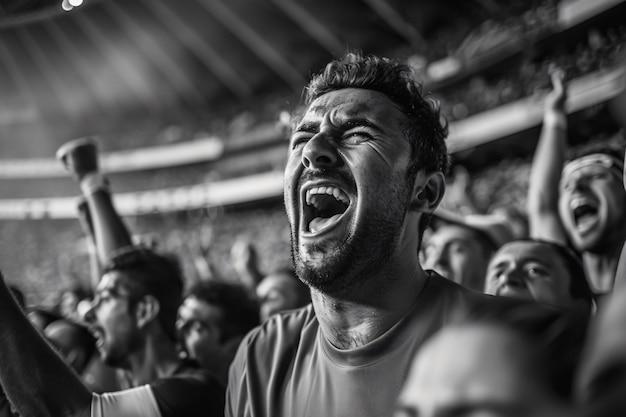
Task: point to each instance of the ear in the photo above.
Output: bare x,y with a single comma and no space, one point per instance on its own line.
147,310
428,191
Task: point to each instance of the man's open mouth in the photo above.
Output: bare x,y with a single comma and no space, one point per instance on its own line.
585,213
324,205
98,335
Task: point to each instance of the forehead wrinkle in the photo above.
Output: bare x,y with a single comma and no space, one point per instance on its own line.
346,105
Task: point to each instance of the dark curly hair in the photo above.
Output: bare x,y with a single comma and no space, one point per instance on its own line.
149,273
240,312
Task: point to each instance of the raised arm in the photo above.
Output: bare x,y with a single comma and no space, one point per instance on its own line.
545,174
95,266
620,275
35,378
80,157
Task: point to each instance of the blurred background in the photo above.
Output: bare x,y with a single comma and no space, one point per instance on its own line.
191,100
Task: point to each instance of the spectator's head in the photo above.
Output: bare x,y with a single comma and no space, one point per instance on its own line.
139,294
366,164
495,366
546,272
592,199
73,341
459,247
41,317
280,291
213,319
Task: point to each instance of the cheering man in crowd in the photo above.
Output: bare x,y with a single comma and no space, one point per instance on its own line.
365,171
133,317
580,202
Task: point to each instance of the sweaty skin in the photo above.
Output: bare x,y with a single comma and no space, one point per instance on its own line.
361,263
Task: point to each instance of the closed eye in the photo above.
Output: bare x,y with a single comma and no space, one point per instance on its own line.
299,140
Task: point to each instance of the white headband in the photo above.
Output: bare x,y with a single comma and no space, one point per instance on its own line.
610,162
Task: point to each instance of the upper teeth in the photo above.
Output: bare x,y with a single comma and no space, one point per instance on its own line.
335,192
577,202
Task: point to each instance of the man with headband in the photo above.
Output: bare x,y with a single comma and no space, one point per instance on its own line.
581,205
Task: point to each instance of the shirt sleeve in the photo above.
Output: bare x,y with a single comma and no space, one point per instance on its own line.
135,402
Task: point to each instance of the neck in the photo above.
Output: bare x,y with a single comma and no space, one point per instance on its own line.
601,269
157,359
349,324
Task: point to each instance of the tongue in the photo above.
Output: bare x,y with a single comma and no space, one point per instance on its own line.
319,223
586,221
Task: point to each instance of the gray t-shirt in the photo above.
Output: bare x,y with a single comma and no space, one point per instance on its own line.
286,367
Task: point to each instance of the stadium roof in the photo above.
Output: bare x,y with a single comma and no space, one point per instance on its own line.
108,62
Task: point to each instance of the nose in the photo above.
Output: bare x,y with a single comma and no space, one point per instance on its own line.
88,314
512,279
321,152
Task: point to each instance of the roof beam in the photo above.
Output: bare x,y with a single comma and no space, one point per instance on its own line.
71,52
256,43
311,25
201,49
151,49
25,88
395,21
50,74
130,74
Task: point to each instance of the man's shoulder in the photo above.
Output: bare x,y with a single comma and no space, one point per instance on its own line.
474,304
282,328
447,288
275,342
190,390
470,301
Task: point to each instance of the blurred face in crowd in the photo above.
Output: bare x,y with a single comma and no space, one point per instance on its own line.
457,253
475,370
113,321
69,304
591,207
346,187
530,271
198,325
278,292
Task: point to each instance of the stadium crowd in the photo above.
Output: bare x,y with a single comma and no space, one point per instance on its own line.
403,291
393,305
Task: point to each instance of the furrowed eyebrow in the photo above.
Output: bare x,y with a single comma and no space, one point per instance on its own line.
360,122
308,127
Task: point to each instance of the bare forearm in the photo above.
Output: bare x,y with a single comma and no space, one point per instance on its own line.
545,175
110,232
34,377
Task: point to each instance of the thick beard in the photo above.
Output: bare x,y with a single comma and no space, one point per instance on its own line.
363,254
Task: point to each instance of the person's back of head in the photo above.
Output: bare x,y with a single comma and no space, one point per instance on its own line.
239,310
516,358
281,290
73,341
146,272
41,317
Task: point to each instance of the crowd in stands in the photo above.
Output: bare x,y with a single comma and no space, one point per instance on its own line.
380,286
392,302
